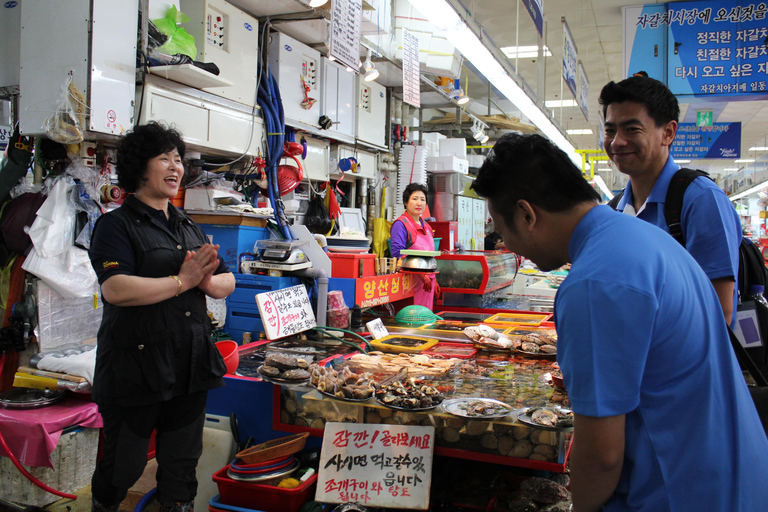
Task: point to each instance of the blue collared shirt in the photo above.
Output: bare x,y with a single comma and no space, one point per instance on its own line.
710,224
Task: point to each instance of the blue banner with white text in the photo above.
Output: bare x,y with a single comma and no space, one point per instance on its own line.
721,140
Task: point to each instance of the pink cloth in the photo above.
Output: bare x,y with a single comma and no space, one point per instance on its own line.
422,241
32,434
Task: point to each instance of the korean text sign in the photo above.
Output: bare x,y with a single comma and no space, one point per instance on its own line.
376,465
286,312
372,291
721,140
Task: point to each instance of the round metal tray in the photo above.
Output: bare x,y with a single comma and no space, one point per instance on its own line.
29,398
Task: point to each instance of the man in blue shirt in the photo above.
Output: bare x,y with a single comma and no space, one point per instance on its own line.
663,420
640,125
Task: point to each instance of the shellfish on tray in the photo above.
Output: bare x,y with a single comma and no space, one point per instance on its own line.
487,336
409,394
344,384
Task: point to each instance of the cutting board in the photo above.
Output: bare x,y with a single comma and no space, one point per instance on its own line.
218,451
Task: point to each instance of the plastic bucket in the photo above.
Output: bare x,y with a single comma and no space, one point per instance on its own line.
437,243
228,350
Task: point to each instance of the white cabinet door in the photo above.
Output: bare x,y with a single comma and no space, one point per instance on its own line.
339,95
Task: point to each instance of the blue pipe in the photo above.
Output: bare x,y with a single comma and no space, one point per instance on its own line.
145,500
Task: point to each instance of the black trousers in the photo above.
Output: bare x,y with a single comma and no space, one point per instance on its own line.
179,424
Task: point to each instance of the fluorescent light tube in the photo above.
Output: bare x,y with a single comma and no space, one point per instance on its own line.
752,190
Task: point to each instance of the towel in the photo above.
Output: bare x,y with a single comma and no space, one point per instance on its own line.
82,365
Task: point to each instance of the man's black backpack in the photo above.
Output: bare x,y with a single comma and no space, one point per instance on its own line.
752,268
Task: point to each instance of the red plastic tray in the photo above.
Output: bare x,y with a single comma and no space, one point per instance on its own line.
267,498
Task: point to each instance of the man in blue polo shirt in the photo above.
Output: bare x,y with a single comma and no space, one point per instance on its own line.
663,420
640,125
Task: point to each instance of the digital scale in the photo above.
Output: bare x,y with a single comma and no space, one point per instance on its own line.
279,255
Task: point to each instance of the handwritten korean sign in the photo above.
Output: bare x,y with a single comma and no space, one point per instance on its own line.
346,16
286,312
376,465
411,74
373,291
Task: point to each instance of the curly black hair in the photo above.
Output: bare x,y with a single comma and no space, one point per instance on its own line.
530,168
140,145
410,189
661,104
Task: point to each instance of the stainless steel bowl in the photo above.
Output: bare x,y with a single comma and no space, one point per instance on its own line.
419,263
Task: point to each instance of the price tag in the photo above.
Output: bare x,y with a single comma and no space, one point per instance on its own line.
377,329
376,465
286,312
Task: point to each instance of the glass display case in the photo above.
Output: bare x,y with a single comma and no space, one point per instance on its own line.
476,272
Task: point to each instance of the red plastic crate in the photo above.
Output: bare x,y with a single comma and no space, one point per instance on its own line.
268,498
348,265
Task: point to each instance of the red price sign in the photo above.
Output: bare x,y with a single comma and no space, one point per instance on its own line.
372,291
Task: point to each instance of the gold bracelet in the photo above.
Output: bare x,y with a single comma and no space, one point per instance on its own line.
178,290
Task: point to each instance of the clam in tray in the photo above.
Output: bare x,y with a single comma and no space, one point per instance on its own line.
408,395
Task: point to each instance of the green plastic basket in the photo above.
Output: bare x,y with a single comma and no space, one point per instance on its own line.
416,315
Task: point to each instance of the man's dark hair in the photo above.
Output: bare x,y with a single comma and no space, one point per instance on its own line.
140,145
411,188
655,96
531,168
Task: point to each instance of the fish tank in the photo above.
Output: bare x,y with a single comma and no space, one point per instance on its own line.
476,272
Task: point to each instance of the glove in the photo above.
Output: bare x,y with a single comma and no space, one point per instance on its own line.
426,281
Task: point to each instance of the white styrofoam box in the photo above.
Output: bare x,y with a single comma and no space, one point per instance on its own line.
447,164
95,41
10,52
338,100
204,125
204,198
476,161
443,207
436,54
316,165
431,141
371,112
270,8
228,37
289,61
377,21
74,460
453,147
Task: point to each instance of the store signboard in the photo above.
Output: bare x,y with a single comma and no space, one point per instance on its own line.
584,92
570,58
286,312
712,47
411,73
376,465
344,46
372,291
536,10
721,140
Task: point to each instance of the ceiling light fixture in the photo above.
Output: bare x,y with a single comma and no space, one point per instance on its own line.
752,190
602,186
586,131
524,52
441,14
371,73
560,103
744,161
682,161
485,138
758,148
732,169
317,3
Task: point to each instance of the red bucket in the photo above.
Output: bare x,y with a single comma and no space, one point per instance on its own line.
228,350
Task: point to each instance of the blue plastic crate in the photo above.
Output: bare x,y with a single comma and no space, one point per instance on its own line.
247,286
234,240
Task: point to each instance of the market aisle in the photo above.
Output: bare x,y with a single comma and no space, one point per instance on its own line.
83,503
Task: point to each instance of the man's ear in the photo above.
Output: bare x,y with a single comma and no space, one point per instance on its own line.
527,214
670,130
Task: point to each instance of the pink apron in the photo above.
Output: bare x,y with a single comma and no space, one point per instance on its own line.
421,238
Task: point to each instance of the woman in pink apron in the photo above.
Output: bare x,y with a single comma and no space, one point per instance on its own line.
409,231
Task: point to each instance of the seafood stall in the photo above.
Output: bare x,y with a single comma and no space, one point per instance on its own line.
475,278
490,393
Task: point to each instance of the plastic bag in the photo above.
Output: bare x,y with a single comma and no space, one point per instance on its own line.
52,232
64,125
87,212
179,40
70,274
317,219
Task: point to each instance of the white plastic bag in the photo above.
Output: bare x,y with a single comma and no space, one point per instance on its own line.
69,273
53,231
63,125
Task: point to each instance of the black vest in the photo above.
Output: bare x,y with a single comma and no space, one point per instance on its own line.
151,353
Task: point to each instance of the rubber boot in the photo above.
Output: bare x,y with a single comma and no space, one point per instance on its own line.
177,506
98,507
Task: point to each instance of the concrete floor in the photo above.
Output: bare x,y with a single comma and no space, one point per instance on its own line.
83,502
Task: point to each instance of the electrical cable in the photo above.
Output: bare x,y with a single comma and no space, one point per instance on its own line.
326,328
145,500
342,340
29,476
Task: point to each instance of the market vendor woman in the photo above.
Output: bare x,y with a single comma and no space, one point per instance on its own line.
155,360
410,231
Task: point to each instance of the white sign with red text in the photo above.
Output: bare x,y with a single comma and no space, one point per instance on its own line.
376,465
285,312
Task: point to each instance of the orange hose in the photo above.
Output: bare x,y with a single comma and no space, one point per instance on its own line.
29,475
